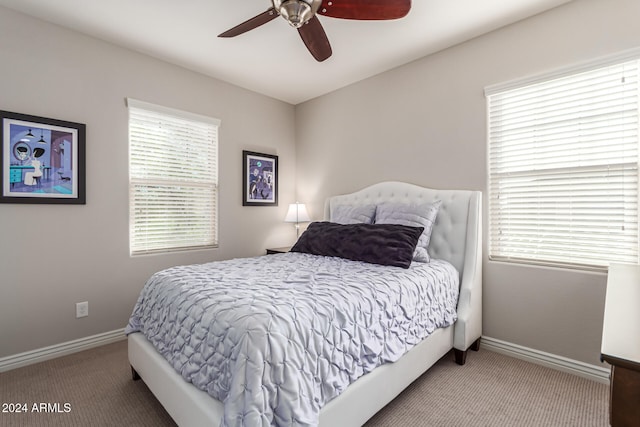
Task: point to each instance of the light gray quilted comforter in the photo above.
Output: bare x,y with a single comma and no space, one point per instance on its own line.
276,337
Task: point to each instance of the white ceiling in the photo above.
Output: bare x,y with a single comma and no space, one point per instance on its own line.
272,59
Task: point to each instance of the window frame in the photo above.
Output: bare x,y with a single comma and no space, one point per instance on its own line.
184,181
620,58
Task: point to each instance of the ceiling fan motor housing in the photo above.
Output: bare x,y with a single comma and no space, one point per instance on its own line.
297,12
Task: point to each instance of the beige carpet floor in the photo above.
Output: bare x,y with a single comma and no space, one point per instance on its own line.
490,390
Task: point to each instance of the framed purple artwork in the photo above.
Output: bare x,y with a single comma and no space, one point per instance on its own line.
42,160
259,179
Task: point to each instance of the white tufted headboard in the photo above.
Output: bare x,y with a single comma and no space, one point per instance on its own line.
456,237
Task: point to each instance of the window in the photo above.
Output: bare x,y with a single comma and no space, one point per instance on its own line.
173,179
563,168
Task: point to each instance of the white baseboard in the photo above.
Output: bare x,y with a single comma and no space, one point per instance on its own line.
58,350
585,370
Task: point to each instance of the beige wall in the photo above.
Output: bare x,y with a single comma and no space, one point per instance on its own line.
422,123
425,123
54,256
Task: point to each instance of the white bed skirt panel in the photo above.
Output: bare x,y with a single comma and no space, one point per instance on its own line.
190,407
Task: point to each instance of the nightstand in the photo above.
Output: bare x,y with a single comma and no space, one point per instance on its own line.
281,250
620,343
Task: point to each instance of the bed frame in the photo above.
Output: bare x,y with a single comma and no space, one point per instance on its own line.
456,237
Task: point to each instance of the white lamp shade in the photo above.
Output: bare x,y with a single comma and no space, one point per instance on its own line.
297,213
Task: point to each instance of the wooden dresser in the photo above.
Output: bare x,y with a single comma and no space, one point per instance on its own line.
621,343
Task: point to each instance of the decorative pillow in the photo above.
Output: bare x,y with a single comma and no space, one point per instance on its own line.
385,244
348,214
423,215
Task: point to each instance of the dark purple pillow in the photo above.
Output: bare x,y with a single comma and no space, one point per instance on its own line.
385,244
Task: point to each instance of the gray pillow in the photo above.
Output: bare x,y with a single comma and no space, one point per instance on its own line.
423,215
348,214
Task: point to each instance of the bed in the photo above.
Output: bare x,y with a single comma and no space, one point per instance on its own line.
455,238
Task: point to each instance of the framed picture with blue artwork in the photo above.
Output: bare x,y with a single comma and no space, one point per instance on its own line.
259,179
42,160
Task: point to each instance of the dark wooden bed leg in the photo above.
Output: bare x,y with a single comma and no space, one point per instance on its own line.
460,356
134,374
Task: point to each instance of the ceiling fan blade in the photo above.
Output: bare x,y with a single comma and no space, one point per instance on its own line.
365,9
250,24
315,39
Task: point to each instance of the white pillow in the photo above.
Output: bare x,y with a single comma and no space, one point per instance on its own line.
348,214
423,215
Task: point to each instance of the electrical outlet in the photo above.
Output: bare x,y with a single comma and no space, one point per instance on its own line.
82,309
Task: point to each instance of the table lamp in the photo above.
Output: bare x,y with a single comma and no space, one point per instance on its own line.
297,213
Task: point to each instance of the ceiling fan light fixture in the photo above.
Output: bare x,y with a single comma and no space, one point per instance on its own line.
297,12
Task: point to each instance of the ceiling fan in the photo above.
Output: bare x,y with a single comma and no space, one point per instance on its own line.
301,14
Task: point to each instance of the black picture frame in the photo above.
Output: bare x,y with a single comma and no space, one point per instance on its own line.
42,160
259,179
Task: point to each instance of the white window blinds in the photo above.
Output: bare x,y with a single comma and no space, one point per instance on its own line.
563,169
173,179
